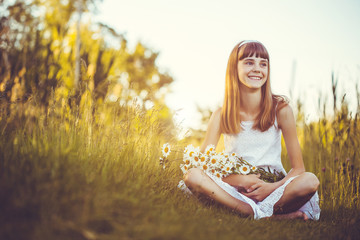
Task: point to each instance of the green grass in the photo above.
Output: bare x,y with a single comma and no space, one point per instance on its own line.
93,173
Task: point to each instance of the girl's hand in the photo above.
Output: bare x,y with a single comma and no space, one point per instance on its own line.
260,191
242,182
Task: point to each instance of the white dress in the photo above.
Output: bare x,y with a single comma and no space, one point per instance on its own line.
262,149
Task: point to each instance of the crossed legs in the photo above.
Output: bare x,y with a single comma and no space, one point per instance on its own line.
199,182
296,194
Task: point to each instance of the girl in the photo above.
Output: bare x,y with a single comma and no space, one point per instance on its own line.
252,120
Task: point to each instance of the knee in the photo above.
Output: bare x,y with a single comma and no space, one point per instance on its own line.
192,178
312,182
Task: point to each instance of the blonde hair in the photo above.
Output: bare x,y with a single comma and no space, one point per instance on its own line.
230,114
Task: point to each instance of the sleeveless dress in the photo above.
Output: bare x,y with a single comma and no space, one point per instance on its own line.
262,149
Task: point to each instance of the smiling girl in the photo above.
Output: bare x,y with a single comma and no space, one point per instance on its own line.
252,120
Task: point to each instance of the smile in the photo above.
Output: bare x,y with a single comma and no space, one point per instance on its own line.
255,78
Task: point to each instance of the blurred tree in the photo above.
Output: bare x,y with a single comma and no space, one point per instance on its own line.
38,58
32,30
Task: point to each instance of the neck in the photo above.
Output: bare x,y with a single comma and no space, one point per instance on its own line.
250,103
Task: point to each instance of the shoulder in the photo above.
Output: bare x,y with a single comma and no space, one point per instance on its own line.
280,101
283,110
216,116
284,115
217,112
215,119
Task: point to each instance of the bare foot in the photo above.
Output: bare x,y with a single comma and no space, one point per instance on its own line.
294,215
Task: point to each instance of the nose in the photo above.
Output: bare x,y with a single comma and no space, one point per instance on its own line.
256,68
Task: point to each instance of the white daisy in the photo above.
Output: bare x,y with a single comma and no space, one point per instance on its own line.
218,175
191,151
187,161
244,169
227,168
253,168
214,160
210,149
205,167
187,148
203,158
184,168
195,160
166,150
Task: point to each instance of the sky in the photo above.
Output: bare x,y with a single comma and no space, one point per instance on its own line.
307,41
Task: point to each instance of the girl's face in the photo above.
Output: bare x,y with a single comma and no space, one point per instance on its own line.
253,71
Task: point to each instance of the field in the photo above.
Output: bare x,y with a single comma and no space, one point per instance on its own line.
93,172
79,159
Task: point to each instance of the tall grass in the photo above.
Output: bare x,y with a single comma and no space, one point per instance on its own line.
331,150
91,171
70,165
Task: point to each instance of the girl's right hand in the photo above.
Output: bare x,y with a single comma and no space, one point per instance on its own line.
242,182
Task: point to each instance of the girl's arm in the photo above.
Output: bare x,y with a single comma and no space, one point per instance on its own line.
242,182
213,130
286,123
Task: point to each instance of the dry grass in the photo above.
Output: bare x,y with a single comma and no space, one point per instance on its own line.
92,172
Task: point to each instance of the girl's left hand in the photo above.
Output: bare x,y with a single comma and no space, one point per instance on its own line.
260,191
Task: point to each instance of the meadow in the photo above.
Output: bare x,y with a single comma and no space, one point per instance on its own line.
91,171
76,164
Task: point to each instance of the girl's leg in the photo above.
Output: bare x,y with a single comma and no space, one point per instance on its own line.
199,182
297,193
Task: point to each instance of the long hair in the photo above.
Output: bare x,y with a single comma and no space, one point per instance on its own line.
230,115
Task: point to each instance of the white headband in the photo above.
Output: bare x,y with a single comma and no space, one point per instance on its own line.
247,41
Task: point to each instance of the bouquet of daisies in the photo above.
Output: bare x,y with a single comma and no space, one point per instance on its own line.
218,165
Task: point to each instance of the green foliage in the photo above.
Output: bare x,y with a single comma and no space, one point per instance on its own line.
92,172
81,166
83,162
38,58
330,149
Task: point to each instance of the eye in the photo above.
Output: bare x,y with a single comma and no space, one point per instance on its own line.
248,63
263,64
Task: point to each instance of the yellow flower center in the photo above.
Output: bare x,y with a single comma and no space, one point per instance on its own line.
205,167
166,149
196,159
202,159
213,160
